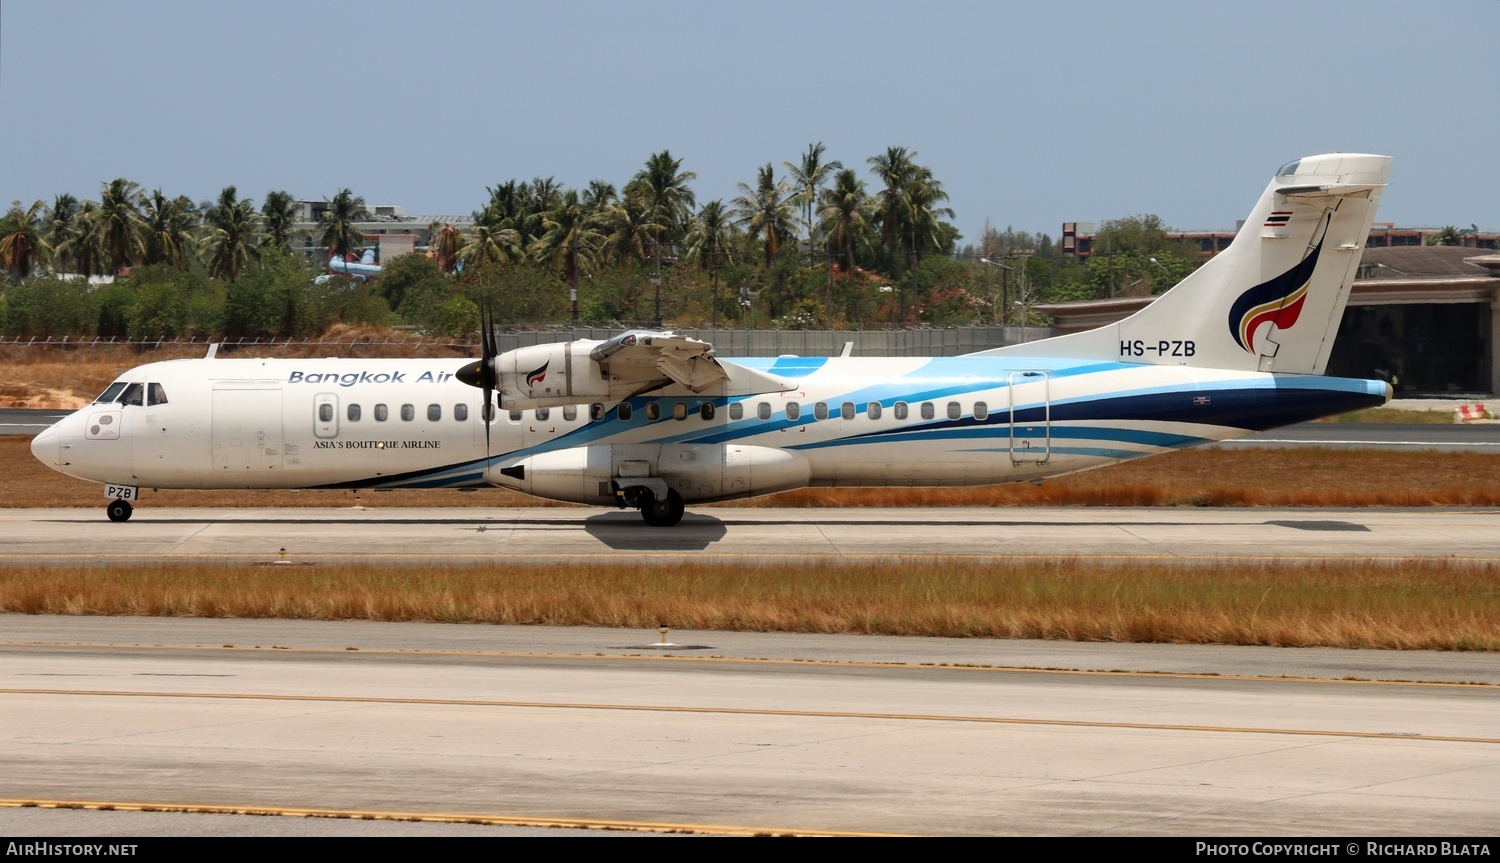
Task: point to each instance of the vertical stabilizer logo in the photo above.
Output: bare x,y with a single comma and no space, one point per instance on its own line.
538,376
1278,301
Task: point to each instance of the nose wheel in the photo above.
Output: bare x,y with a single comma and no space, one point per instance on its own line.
119,510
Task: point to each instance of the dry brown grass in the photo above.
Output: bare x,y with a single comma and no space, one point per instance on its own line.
1438,604
1198,477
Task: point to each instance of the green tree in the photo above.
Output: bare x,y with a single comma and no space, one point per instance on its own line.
340,233
233,232
278,214
808,177
896,169
21,245
64,229
766,211
168,226
846,216
120,225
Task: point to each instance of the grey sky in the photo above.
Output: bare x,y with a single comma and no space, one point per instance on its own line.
1029,113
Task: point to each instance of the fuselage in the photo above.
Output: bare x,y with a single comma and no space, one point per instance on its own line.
846,421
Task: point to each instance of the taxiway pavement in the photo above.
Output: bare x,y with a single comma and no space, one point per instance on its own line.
543,535
742,732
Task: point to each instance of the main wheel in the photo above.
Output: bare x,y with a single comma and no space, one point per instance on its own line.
119,510
664,513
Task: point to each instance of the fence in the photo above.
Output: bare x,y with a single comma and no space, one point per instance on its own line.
947,342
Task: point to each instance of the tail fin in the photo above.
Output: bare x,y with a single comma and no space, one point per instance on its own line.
1272,301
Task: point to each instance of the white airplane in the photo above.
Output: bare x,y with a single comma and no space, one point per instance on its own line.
654,421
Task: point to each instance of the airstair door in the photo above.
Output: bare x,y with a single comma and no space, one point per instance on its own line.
1030,418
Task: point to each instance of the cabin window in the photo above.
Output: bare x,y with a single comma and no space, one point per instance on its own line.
570,412
955,411
110,394
624,410
158,396
820,411
872,410
653,412
543,414
737,411
352,412
679,410
981,411
927,411
515,416
325,413
763,410
408,413
847,410
706,410
434,413
461,412
132,394
382,413
596,411
900,409
793,411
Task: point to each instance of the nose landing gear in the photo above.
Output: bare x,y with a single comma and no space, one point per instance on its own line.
119,510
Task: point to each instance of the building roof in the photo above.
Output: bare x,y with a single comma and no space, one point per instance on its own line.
1422,262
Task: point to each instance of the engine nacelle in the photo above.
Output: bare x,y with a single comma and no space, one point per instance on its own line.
698,472
550,375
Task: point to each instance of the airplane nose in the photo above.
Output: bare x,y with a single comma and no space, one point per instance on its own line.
44,447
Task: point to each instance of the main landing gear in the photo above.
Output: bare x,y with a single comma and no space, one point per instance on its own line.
119,510
658,512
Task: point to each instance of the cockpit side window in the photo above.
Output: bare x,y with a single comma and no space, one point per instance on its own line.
110,394
132,395
156,395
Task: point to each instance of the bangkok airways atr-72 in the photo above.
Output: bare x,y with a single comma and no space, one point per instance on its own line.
654,421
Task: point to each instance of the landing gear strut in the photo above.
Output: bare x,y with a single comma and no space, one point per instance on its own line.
661,513
119,510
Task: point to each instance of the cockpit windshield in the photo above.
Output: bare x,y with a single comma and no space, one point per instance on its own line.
133,394
110,394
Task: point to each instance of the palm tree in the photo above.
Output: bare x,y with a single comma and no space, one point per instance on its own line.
928,232
86,247
120,224
665,185
489,244
895,169
710,243
340,233
808,178
279,216
168,227
766,211
63,229
570,240
444,242
666,188
598,195
22,246
233,229
846,215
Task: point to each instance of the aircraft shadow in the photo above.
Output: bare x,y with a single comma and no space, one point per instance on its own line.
624,531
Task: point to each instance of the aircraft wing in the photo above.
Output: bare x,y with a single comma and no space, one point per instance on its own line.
647,360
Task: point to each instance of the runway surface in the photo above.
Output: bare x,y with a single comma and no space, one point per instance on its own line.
542,535
740,732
